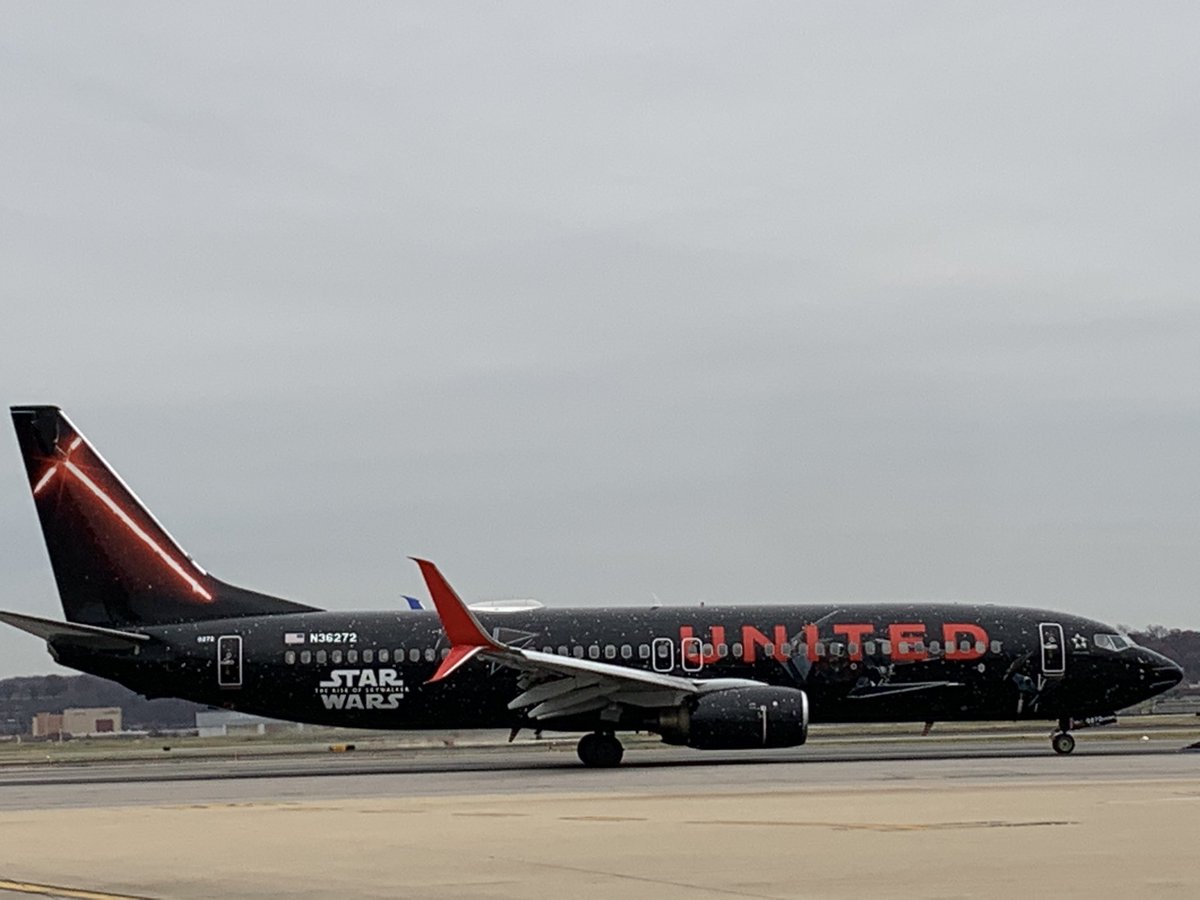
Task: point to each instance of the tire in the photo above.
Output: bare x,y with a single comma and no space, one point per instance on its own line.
1062,742
609,751
600,751
587,749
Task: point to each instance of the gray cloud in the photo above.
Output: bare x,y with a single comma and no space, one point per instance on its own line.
766,303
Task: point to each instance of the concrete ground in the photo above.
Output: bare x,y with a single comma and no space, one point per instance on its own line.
1112,820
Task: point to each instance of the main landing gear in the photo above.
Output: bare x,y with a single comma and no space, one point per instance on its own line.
600,750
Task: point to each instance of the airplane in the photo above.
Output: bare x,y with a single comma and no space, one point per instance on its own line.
140,611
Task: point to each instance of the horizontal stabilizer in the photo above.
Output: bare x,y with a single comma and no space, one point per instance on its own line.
91,635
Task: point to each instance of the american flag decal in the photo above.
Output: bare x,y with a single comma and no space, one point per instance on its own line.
294,637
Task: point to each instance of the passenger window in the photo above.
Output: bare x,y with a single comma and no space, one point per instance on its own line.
818,649
802,650
768,649
383,656
335,656
737,649
414,655
369,656
562,650
626,652
321,657
964,646
707,649
594,651
902,647
980,647
305,657
610,652
351,656
445,652
852,649
996,647
643,651
430,655
919,647
290,657
869,648
662,650
885,647
577,651
722,650
547,650
934,648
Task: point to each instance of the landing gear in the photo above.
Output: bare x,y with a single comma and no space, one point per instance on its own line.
1062,742
600,750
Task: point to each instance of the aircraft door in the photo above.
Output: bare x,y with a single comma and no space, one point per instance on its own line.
691,651
229,661
662,654
1054,653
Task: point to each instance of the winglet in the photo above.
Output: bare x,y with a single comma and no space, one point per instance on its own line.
467,636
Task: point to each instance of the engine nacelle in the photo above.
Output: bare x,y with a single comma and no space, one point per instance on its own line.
739,719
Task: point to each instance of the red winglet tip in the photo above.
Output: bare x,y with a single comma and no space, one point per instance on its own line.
457,621
456,657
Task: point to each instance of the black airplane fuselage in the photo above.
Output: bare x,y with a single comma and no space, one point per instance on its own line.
915,662
141,611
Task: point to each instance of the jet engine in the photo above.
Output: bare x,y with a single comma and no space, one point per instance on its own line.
738,719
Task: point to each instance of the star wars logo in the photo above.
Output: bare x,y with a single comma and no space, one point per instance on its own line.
362,689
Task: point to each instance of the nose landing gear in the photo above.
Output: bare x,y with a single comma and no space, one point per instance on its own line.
600,750
1063,742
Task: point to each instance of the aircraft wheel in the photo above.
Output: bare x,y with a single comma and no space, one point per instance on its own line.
1062,742
600,751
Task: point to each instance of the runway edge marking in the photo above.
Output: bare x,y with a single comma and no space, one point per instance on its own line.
52,890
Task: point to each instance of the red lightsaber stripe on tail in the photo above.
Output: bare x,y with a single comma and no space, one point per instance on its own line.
133,526
42,481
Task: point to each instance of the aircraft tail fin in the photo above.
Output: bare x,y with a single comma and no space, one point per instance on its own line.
115,565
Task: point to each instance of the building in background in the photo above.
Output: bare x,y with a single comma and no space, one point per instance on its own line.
46,724
222,722
77,722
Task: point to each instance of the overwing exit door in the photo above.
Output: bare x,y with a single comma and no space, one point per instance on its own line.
663,652
229,661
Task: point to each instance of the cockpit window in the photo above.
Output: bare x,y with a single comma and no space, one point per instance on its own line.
1112,641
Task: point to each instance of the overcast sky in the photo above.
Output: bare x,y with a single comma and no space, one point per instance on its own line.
734,302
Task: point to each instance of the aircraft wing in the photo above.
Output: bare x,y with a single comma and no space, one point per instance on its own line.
553,685
91,635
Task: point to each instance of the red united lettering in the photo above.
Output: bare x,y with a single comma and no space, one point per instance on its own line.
955,632
752,639
910,634
811,638
854,634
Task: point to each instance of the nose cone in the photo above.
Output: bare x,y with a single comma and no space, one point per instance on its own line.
1161,674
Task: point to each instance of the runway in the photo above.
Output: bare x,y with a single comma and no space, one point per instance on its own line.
912,819
554,767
